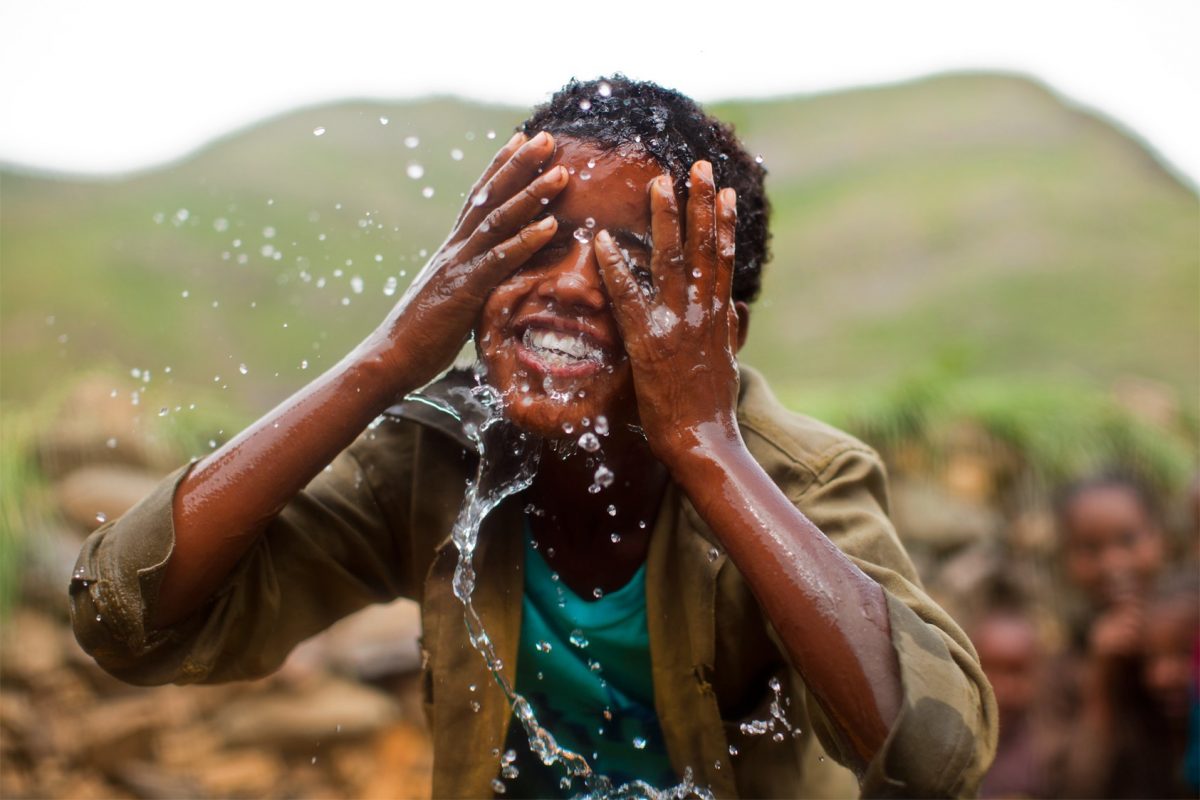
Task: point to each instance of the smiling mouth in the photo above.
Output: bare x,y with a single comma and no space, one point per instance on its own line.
561,352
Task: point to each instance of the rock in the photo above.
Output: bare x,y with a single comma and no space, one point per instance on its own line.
33,645
928,515
377,642
331,707
93,427
404,759
148,781
243,773
90,495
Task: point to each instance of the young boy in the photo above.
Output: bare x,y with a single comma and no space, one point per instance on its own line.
604,264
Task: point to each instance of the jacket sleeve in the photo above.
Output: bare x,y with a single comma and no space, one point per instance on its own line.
945,736
334,548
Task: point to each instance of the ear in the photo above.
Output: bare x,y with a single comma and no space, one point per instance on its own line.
743,324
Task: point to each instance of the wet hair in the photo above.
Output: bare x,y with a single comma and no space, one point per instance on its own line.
673,130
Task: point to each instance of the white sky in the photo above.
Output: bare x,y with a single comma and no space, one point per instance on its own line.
119,84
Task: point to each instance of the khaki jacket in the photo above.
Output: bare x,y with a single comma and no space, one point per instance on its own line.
374,526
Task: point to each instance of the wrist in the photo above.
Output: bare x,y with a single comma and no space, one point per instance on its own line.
692,453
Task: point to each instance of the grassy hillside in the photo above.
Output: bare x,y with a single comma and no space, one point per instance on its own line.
970,216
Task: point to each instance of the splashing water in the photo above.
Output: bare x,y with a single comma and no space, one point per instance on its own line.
508,461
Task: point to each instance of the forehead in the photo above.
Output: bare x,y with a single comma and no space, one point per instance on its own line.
1103,507
609,186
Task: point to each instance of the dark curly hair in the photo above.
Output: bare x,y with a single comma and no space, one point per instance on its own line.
673,130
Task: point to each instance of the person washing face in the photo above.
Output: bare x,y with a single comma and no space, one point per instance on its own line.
604,264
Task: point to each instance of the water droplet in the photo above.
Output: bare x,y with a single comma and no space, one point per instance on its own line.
601,425
582,235
389,285
733,751
356,284
101,517
612,510
589,223
696,273
318,131
427,192
778,737
568,428
717,764
597,593
615,537
589,442
713,554
604,89
480,197
162,412
242,369
475,706
414,170
639,743
603,476
544,647
456,154
304,364
758,159
411,142
585,104
111,442
774,684
585,176
578,639
591,163
491,134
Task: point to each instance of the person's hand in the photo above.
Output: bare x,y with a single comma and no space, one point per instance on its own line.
1117,632
493,236
680,327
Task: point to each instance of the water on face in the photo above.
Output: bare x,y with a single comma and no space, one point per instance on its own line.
508,461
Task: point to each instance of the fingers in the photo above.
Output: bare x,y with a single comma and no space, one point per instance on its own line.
500,159
700,249
513,175
517,211
726,249
503,259
722,301
630,306
666,260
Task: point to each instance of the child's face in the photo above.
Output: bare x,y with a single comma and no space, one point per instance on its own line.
547,334
1169,643
1010,657
1112,547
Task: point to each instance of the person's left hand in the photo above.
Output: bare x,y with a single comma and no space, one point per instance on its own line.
680,328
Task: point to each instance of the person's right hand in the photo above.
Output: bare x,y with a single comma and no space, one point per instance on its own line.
494,235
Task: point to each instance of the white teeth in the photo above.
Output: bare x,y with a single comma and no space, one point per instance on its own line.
561,344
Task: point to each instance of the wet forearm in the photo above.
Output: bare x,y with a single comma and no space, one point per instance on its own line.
228,498
831,616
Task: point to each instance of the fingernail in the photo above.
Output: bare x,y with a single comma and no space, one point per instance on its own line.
603,239
541,138
516,137
545,224
705,169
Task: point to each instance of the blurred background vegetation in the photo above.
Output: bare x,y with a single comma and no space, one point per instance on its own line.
997,289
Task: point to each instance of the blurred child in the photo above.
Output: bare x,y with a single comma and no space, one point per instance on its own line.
1113,550
1012,657
1169,651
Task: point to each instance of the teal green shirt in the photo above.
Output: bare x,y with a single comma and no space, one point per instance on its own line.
584,666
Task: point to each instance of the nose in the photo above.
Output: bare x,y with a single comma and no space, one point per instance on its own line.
574,282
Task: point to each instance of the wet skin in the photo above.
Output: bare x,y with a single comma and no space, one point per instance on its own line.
651,337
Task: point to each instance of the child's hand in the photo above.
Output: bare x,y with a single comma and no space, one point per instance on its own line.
680,328
493,236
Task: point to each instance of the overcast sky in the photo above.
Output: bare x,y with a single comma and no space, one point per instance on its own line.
118,85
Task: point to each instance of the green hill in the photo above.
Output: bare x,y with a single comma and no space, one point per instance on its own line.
973,215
